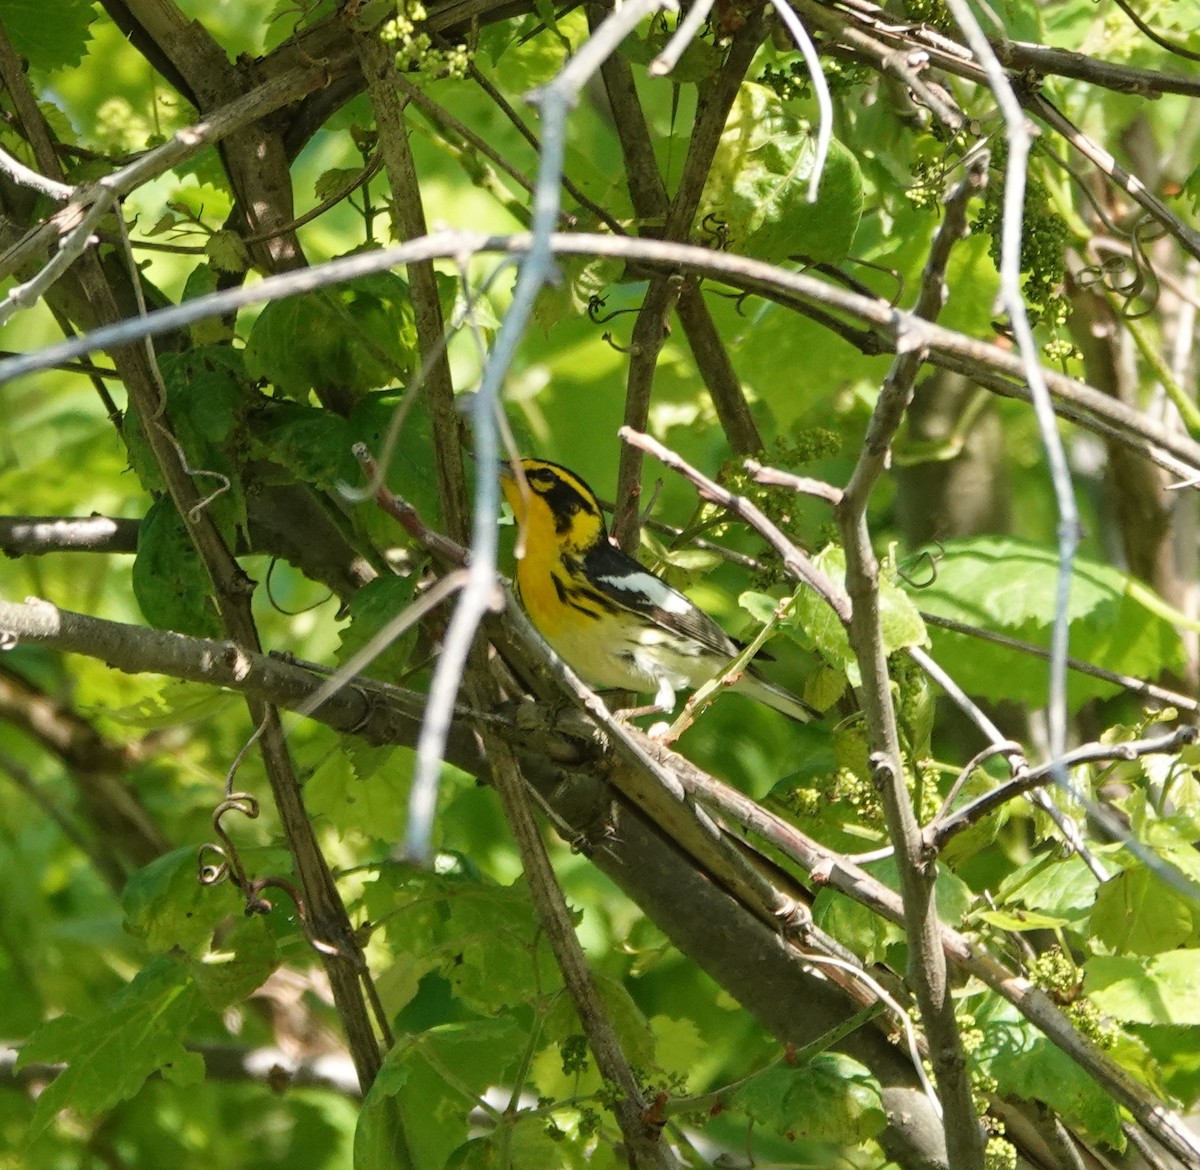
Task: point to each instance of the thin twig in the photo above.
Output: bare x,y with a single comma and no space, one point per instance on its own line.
939,831
994,367
800,567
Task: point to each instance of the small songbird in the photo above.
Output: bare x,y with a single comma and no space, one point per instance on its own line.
611,620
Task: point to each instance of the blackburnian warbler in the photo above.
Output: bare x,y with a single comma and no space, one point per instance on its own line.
609,619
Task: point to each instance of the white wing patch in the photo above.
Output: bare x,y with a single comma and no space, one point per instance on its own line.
647,585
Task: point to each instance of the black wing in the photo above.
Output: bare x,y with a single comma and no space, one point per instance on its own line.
620,579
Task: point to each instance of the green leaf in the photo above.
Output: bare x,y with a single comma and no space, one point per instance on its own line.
411,469
109,1056
372,609
1164,989
418,1110
376,807
1019,920
1009,586
169,579
759,182
246,958
856,926
1058,886
313,444
833,1098
628,1020
207,402
813,623
1026,1064
329,183
356,337
899,619
498,942
227,253
48,38
1137,911
166,906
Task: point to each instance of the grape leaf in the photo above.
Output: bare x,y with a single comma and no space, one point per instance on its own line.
1026,1064
358,337
1136,911
418,1110
166,906
109,1056
758,186
1164,989
1009,586
169,580
832,1098
48,38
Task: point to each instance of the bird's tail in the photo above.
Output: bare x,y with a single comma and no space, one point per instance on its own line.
764,692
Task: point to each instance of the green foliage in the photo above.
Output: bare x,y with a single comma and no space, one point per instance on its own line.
1023,1062
1162,990
117,962
110,1057
356,338
1137,911
48,43
757,190
1010,587
417,1112
169,578
831,1099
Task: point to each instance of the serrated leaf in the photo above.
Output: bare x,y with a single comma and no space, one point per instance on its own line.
372,610
169,580
109,1056
242,964
497,946
207,402
330,182
48,39
1026,1064
417,1112
212,330
628,1020
376,807
1059,886
1136,911
166,906
412,471
1164,989
758,185
581,279
824,687
175,704
313,444
226,252
855,926
899,619
832,1098
1010,586
357,337
813,623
